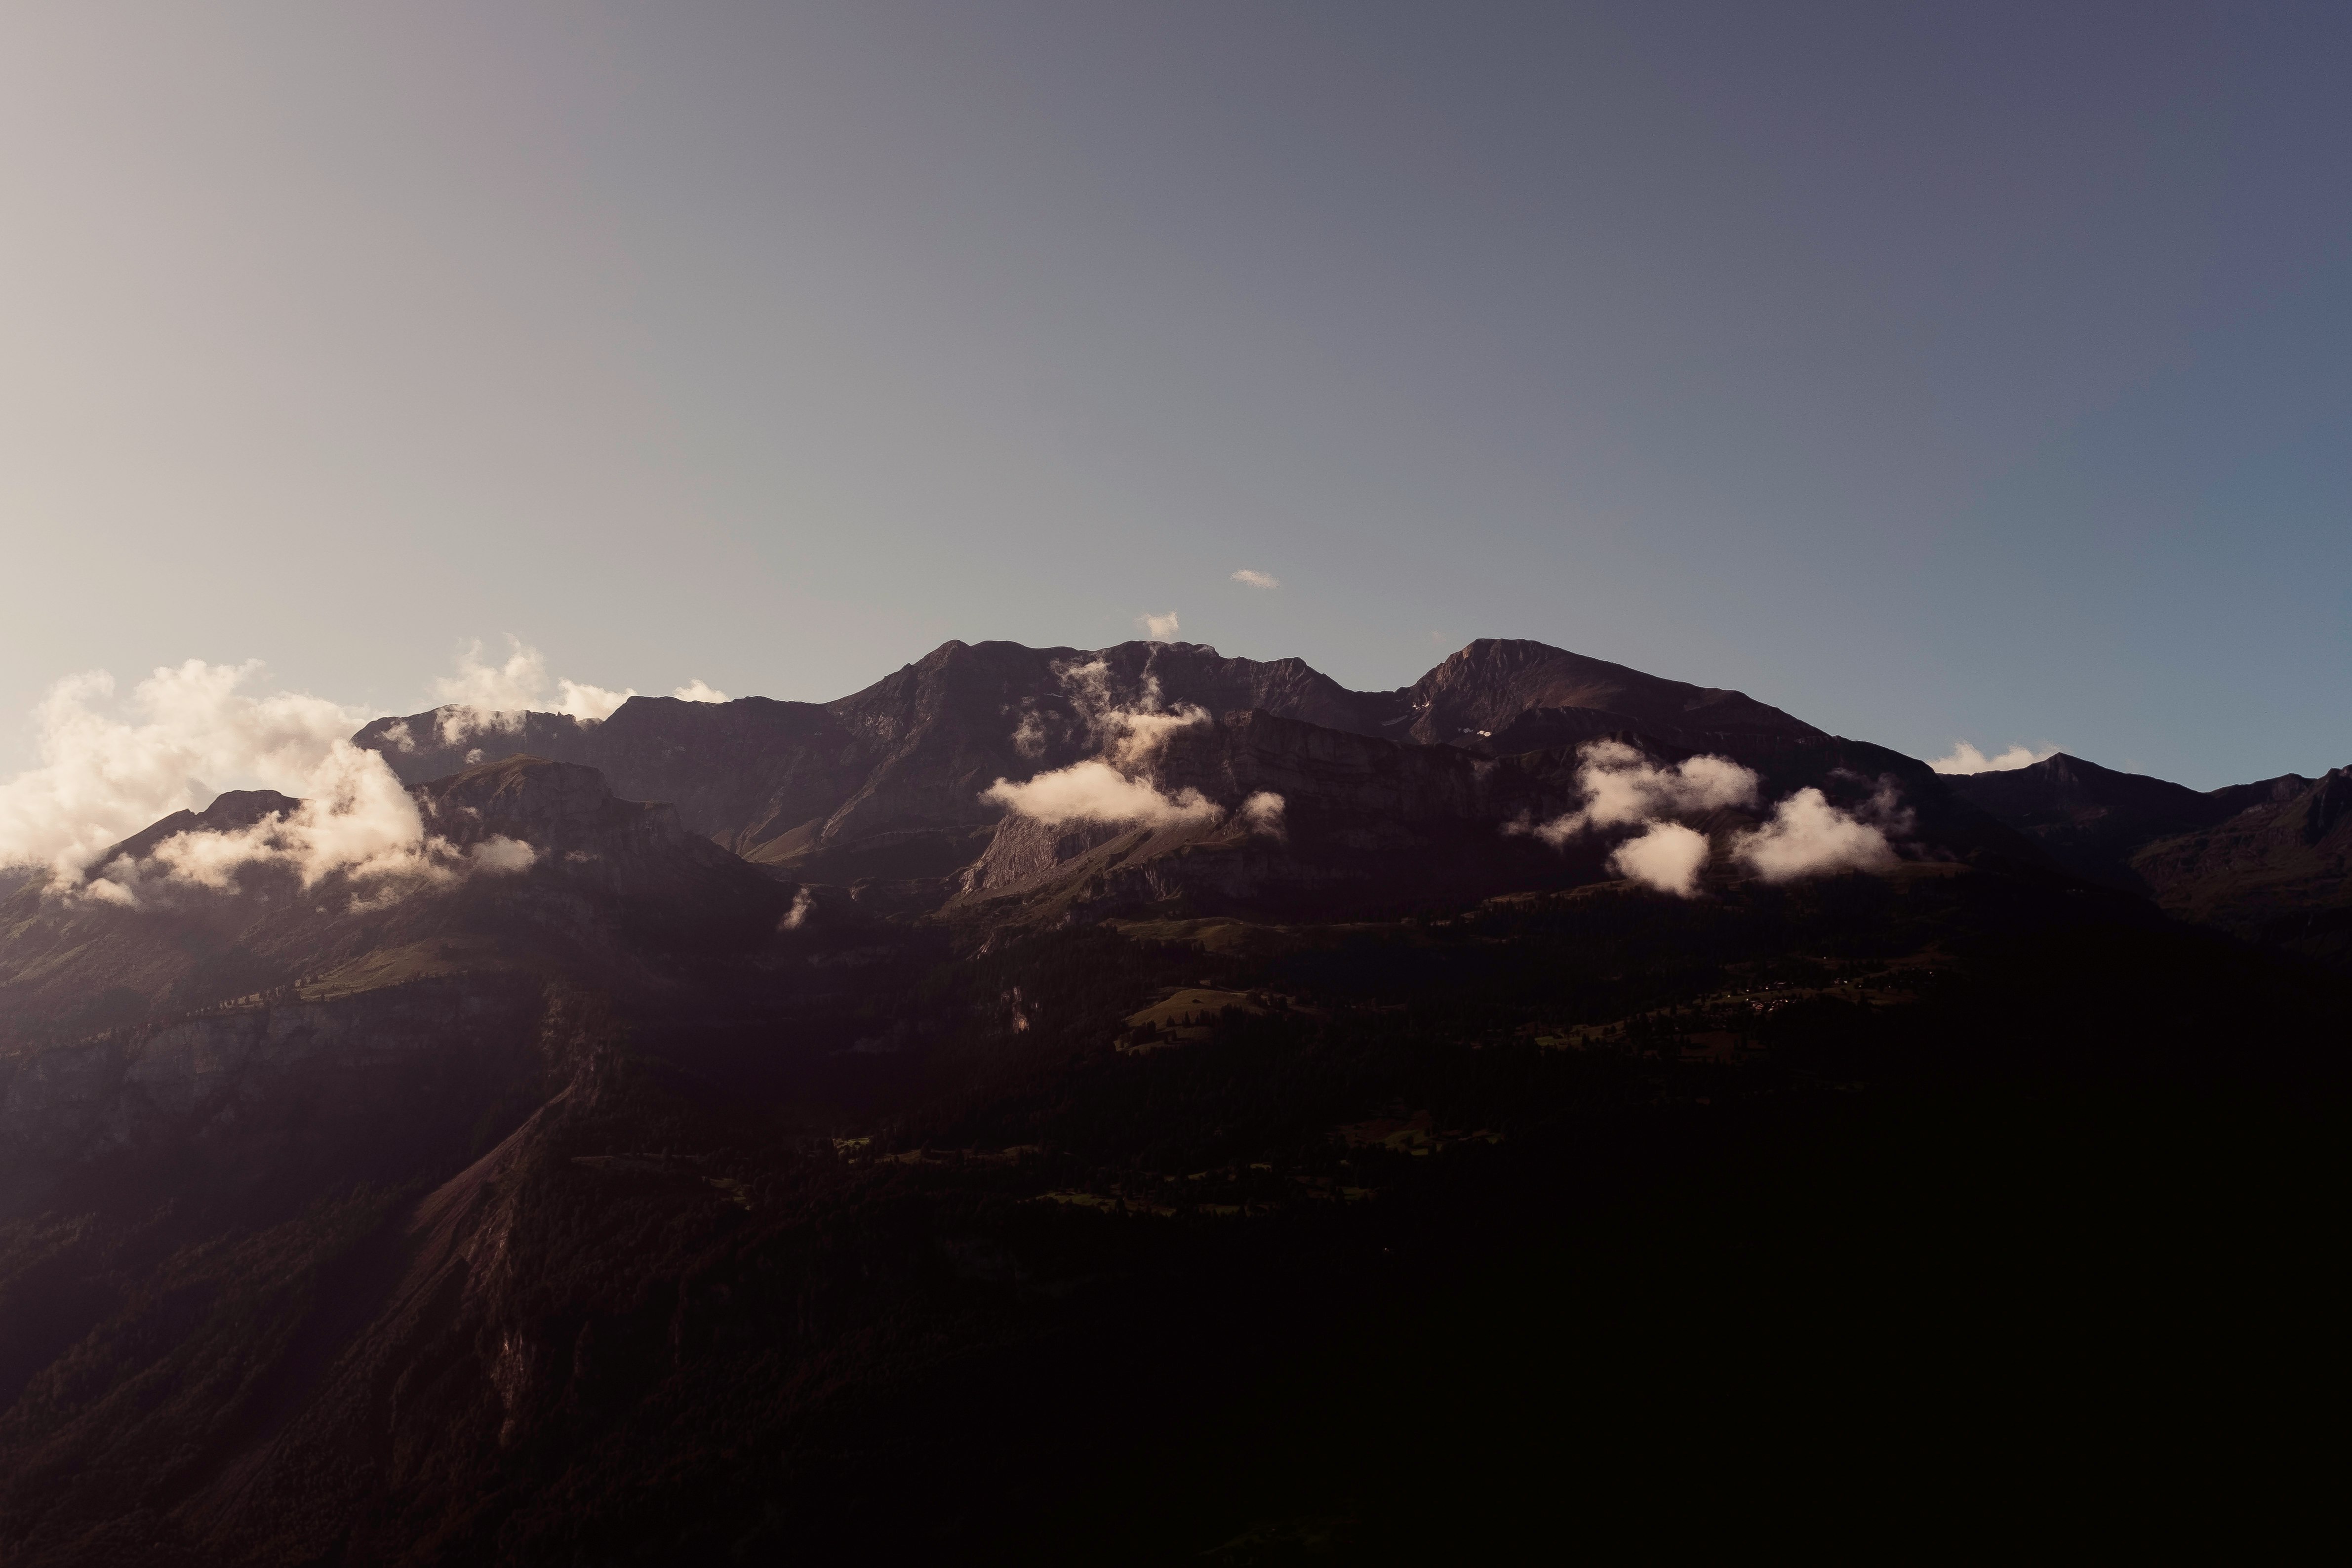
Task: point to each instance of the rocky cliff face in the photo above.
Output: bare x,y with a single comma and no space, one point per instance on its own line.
210,1075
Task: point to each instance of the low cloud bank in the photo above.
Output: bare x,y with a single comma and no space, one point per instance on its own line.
110,765
1118,785
355,818
492,697
698,690
1098,792
1806,837
183,734
1963,758
1158,628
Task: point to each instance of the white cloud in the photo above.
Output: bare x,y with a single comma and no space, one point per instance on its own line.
1623,789
1255,579
492,697
185,734
698,690
502,856
1808,836
1668,857
1965,758
1094,791
1158,628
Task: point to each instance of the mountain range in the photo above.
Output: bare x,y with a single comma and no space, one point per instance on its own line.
881,792
1128,1104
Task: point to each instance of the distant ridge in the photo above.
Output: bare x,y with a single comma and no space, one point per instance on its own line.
2088,817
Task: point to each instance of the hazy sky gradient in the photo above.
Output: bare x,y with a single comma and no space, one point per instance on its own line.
1933,373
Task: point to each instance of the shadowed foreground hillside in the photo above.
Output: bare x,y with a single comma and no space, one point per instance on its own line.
1476,1218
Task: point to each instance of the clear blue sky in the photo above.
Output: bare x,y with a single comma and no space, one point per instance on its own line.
1932,372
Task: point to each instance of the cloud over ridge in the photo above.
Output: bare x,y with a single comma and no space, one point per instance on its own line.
112,765
491,697
1964,758
180,736
355,818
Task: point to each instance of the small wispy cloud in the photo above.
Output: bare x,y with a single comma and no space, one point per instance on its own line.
1158,628
1963,758
1248,578
700,690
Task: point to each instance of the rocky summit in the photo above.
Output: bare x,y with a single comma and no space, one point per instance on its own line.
1136,1105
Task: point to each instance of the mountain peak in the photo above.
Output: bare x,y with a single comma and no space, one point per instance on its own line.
1517,694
